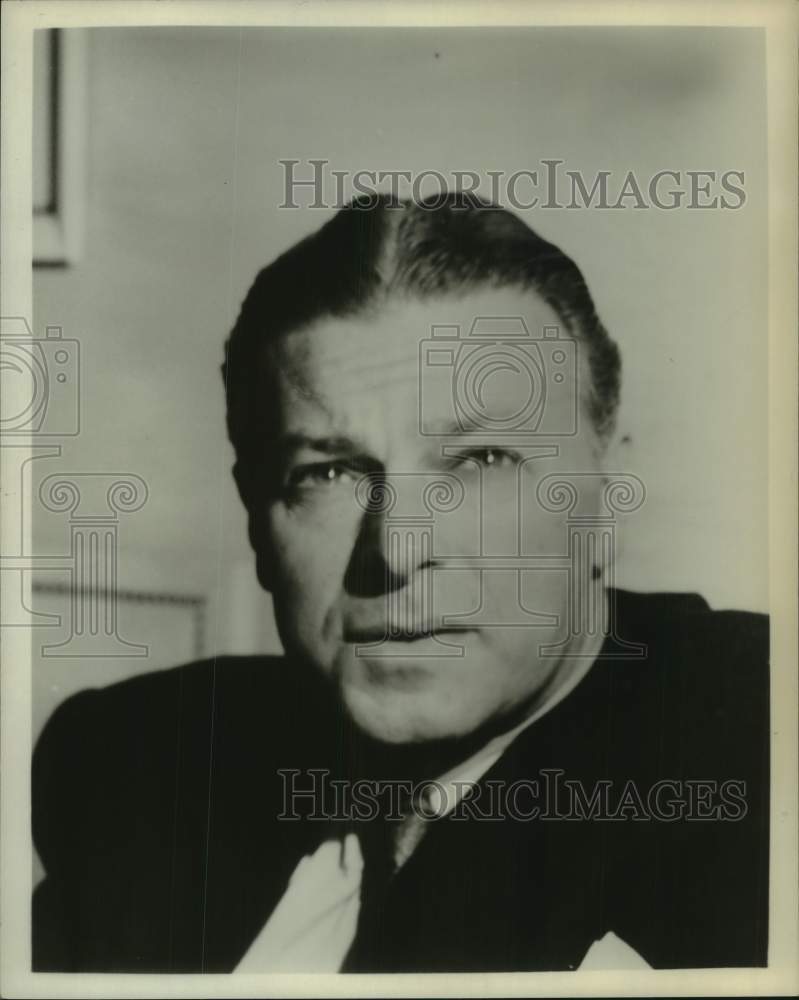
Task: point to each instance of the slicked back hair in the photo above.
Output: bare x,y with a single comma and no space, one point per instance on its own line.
378,247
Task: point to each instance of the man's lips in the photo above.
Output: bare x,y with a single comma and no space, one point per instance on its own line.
405,633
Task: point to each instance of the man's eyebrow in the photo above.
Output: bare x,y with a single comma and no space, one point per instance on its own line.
328,444
453,428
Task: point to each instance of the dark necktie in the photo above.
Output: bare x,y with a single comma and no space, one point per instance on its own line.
377,847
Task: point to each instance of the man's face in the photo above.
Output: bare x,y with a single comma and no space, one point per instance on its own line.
422,614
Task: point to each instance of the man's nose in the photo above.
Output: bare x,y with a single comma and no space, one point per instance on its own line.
388,552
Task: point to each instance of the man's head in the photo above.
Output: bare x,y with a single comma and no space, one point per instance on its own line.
399,384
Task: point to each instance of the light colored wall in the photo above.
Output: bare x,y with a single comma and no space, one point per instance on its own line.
186,127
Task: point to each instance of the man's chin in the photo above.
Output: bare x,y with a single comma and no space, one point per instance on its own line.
411,709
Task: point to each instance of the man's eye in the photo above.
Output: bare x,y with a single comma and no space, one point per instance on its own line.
491,458
320,474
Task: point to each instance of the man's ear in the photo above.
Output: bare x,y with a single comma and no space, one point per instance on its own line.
617,458
255,526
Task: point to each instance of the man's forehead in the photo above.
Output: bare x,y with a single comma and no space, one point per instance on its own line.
355,353
386,345
394,376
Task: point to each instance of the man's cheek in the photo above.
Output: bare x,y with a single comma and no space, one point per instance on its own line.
310,560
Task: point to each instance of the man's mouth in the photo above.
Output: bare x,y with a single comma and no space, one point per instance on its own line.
393,632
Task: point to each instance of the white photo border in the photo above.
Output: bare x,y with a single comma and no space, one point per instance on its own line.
779,19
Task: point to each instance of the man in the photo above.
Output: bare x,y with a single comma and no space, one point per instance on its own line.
560,775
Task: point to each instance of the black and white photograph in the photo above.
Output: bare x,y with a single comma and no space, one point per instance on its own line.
399,499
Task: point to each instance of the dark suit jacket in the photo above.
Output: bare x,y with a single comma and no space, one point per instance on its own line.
155,806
